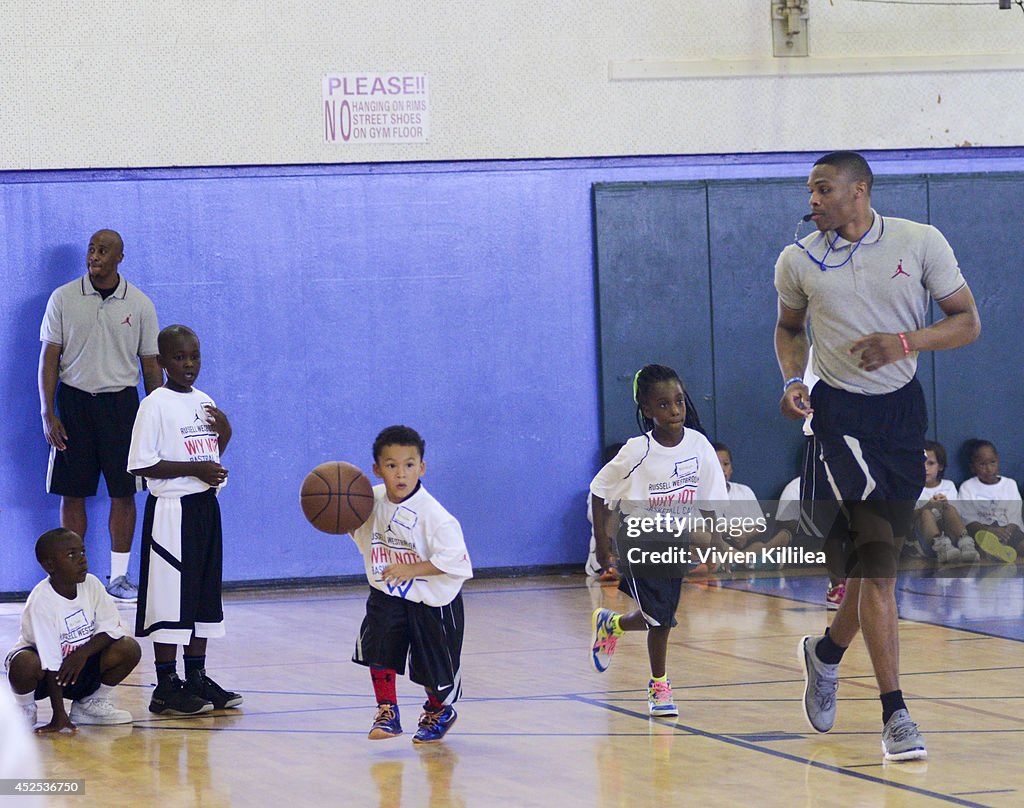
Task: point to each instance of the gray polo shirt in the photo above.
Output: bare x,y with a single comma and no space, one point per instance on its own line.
884,287
101,340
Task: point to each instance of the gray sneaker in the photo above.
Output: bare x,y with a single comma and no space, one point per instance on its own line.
901,740
820,684
968,551
122,589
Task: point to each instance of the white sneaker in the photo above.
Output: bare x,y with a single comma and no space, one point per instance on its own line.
945,551
968,551
29,711
98,711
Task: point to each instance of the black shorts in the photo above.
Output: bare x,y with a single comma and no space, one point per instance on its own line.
180,570
430,637
873,451
822,518
655,587
658,598
85,685
99,430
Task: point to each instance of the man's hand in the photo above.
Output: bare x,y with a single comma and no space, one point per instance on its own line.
796,401
54,432
878,350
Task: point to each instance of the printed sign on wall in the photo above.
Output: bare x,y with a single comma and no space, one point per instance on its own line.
376,108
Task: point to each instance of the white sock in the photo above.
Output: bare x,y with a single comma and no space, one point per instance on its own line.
25,698
118,564
104,692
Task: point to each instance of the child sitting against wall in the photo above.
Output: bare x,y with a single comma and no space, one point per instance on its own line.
937,523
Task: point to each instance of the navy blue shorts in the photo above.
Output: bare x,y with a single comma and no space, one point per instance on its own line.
99,429
430,637
873,451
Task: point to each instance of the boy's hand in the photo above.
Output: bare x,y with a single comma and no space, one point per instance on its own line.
939,498
213,474
397,574
71,667
59,723
217,421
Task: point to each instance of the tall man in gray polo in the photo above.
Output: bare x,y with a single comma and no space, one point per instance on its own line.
95,331
863,281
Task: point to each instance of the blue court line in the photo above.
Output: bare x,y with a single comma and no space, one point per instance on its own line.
733,741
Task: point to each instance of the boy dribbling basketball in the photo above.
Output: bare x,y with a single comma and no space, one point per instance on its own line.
416,562
177,442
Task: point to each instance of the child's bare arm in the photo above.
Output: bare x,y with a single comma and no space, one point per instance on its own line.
60,720
602,540
401,573
219,423
213,474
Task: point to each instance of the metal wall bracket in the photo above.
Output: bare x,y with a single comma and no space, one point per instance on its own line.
789,27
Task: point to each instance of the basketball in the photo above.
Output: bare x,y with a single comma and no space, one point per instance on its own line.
336,497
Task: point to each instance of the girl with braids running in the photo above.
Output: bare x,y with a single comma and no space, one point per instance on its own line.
669,470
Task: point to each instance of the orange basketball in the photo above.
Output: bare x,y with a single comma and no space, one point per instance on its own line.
336,497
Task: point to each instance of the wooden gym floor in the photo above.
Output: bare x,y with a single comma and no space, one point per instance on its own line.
538,727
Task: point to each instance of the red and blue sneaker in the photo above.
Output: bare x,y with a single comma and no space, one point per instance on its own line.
434,726
386,724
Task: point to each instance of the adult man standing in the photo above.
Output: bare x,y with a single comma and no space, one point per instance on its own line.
95,331
863,281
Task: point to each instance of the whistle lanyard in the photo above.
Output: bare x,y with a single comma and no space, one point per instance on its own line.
831,245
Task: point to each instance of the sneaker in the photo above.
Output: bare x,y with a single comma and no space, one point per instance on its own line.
659,699
901,739
97,711
968,551
603,647
609,575
988,542
199,684
387,723
820,684
171,698
30,712
434,726
834,596
945,551
122,589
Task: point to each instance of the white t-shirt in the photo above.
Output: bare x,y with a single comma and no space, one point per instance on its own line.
789,502
646,478
56,626
172,426
417,529
997,504
944,487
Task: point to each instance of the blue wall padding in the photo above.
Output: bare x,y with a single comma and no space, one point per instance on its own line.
334,300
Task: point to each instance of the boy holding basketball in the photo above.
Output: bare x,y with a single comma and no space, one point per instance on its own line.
177,441
416,561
